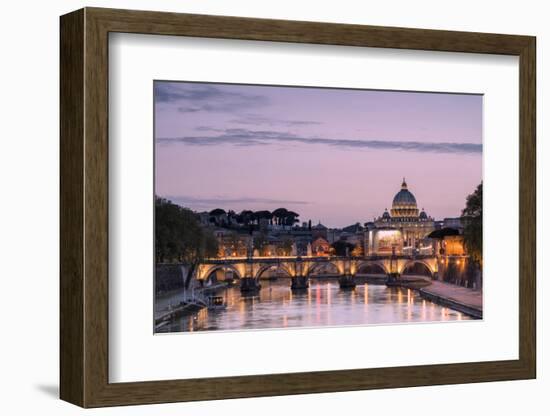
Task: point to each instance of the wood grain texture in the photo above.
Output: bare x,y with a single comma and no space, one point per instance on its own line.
527,208
84,207
71,100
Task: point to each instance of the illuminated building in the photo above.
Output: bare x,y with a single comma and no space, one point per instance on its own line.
320,247
385,241
413,226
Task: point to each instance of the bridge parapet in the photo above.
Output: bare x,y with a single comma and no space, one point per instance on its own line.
304,266
270,259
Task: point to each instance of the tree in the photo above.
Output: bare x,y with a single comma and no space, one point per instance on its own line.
290,218
342,248
263,215
217,212
279,215
472,219
216,216
246,217
179,236
231,216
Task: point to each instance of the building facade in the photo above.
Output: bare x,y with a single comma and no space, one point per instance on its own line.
403,229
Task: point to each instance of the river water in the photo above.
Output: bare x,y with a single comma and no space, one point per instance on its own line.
323,304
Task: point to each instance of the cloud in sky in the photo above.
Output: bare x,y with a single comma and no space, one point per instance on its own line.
216,201
245,137
192,98
256,119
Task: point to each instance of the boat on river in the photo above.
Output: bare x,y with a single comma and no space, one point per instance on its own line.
215,303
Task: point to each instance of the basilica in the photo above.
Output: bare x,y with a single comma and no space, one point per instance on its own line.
403,229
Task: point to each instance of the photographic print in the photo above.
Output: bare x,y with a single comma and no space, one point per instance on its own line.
283,207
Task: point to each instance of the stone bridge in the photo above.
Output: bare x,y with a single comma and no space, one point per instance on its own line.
300,268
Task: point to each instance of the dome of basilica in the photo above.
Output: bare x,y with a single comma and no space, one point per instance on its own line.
404,203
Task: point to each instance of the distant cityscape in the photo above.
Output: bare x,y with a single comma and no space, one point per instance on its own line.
404,229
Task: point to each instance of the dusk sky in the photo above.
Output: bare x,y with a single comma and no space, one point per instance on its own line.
332,155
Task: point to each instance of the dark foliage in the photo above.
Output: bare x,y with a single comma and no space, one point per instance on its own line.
342,248
472,218
179,236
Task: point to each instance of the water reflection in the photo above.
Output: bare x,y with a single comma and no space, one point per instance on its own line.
323,304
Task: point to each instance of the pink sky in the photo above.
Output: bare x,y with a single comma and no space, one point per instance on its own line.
333,155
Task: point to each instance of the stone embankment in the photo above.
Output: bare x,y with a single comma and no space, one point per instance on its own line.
459,298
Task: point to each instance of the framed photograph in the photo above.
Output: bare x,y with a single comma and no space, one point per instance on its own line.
255,207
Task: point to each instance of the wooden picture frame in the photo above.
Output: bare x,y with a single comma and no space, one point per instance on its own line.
84,207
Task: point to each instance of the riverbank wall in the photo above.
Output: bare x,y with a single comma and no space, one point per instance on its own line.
169,277
460,271
460,299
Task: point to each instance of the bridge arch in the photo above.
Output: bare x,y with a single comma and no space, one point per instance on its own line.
370,267
215,267
418,267
316,267
275,267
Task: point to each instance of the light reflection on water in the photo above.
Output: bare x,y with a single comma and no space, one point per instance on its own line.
323,304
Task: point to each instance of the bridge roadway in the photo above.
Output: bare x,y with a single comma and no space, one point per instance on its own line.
250,269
